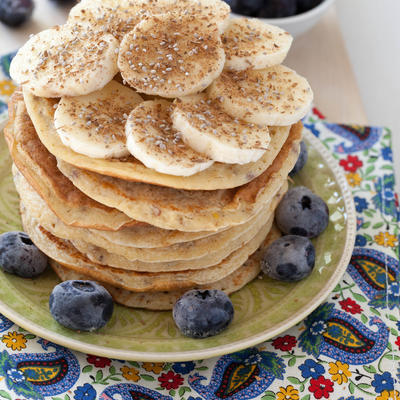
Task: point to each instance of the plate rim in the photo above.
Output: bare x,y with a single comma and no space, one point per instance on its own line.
219,350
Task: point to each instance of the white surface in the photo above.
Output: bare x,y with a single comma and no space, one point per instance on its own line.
371,32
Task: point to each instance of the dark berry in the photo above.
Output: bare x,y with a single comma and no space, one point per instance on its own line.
15,12
289,258
301,161
20,256
305,5
249,7
233,4
81,305
203,313
302,212
278,9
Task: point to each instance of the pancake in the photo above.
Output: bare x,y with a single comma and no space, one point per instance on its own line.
138,236
67,255
208,259
218,176
40,168
184,210
166,300
206,251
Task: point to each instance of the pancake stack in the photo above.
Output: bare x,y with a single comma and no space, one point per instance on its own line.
148,164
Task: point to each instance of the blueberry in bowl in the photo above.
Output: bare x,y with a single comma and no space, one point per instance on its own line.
295,16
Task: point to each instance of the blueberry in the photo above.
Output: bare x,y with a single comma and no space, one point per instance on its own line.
203,313
301,161
249,7
301,212
278,9
233,4
289,258
15,12
81,305
305,5
20,256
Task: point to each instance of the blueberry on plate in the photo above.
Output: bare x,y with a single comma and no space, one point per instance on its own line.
278,9
302,212
301,161
289,258
20,256
81,305
203,313
15,12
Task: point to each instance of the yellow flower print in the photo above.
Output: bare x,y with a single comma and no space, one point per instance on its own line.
7,88
386,395
14,340
288,393
353,179
129,373
386,239
339,372
153,367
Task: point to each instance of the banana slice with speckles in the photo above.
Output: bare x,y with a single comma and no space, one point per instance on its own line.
171,56
94,125
252,44
152,140
66,61
272,96
211,131
113,16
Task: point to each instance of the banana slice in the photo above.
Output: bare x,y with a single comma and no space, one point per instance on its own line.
151,138
171,56
211,11
66,61
272,96
209,130
252,44
113,16
94,124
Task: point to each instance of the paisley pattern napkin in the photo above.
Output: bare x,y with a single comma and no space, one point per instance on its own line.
347,349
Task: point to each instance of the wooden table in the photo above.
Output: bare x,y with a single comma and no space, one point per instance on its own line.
320,55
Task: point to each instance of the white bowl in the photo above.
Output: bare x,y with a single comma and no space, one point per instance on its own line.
300,23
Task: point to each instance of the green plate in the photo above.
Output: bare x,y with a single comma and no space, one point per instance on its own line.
263,309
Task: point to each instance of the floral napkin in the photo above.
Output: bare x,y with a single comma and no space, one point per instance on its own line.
347,349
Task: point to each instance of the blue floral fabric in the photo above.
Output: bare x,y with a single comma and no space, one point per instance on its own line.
347,349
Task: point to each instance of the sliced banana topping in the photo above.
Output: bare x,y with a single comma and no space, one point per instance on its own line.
152,140
252,44
94,124
211,131
272,96
171,56
210,11
66,61
113,16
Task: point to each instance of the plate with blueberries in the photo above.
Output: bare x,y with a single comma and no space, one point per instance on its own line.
298,271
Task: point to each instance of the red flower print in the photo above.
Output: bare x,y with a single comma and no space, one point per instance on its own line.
284,343
318,113
398,342
99,362
350,306
321,387
351,163
170,380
